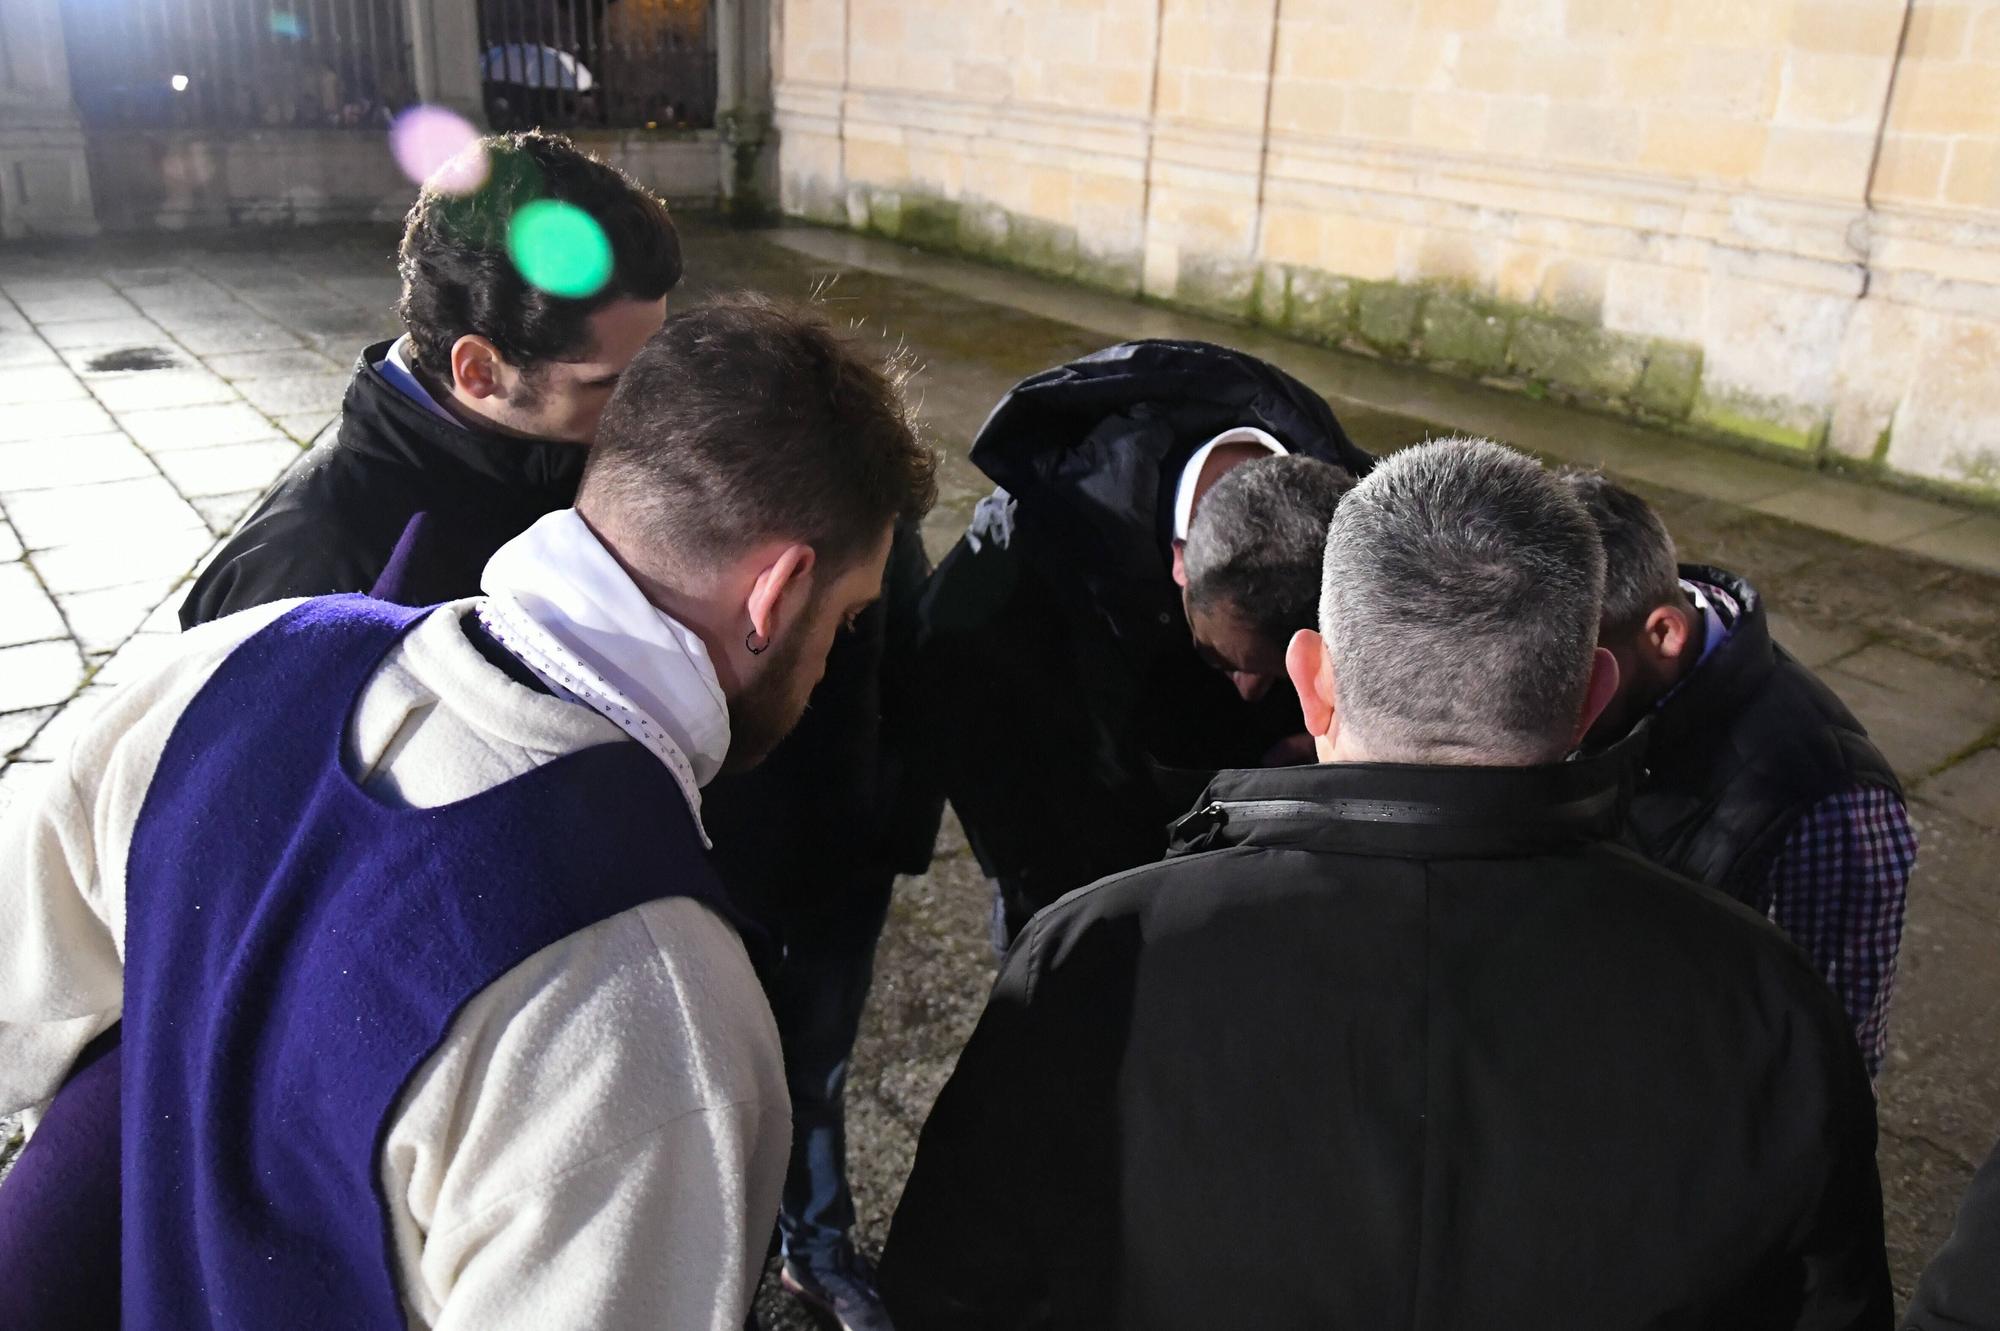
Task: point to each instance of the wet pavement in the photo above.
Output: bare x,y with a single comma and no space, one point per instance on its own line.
151,389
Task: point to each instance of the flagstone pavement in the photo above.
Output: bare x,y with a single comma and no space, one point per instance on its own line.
151,389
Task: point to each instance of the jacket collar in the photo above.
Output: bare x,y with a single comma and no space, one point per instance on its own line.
1416,812
380,420
1733,673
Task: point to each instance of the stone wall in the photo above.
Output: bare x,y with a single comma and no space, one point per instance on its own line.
1676,209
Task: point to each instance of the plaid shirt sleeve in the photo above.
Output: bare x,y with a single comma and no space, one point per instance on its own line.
1838,890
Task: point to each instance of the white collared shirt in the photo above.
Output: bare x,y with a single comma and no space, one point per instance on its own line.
1191,473
563,605
395,367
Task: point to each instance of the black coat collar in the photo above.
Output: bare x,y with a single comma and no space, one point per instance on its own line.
1416,812
380,420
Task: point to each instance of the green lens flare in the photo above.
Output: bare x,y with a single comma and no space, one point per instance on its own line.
559,248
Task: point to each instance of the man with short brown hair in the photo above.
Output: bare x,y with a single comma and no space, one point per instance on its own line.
434,1011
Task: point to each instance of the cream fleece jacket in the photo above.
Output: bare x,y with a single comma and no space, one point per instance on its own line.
600,1139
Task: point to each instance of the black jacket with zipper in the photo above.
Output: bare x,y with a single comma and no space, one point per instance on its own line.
1399,1047
1073,719
831,813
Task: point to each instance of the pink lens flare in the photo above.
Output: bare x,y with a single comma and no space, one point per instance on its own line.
438,148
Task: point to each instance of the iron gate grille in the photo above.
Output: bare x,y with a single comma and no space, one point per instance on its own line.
642,64
238,63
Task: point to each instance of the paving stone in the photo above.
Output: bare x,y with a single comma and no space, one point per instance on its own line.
53,420
155,389
11,319
54,740
271,364
379,293
40,383
10,544
223,512
20,349
26,612
141,655
17,728
150,276
38,674
1972,543
102,620
228,468
186,288
78,460
92,333
24,289
96,364
1914,738
111,511
222,336
306,426
167,617
88,564
1970,788
297,394
1811,643
1863,512
48,311
1928,683
196,427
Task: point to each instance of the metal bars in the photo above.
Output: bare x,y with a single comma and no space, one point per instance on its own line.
238,63
632,64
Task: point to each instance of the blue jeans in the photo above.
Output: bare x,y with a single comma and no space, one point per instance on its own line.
817,992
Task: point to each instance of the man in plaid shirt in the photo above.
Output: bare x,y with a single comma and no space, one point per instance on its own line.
1758,780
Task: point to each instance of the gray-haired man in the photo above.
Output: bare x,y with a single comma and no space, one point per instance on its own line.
1411,1043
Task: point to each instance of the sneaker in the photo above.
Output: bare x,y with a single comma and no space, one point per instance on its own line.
840,1292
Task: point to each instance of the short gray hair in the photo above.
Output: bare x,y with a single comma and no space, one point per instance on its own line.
1460,607
1641,570
1259,538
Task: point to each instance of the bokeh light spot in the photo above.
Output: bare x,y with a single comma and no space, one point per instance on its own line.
560,248
438,148
286,24
179,82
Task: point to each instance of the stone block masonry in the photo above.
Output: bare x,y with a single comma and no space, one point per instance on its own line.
1772,221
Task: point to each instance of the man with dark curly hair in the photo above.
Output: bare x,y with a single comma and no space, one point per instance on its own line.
477,416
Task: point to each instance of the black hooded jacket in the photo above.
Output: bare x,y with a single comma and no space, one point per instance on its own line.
334,520
1072,717
830,812
1399,1047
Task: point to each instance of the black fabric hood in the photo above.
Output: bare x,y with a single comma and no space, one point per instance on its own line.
1093,449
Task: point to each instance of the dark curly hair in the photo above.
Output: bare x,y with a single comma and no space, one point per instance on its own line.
458,279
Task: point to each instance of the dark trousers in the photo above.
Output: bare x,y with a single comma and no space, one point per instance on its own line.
817,990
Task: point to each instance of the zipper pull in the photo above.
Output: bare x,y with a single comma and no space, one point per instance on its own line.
1196,830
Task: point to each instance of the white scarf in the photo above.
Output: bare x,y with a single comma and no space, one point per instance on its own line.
559,601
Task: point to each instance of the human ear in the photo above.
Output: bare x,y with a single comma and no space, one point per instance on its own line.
1665,634
1312,677
1180,565
477,367
781,583
1597,695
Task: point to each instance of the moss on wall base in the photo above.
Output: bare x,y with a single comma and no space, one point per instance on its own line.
1448,327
